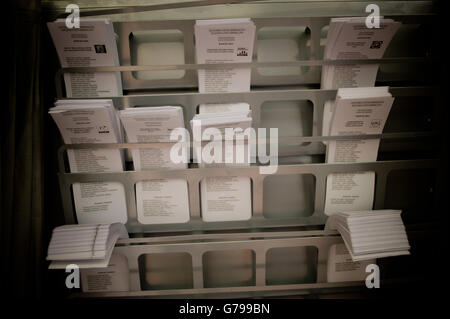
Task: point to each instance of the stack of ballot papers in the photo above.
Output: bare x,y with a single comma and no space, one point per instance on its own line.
160,201
350,39
371,234
224,41
93,121
225,198
87,246
214,125
357,111
93,44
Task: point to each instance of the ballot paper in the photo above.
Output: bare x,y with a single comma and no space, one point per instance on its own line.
225,198
349,38
357,111
159,201
92,44
115,277
224,41
341,267
371,234
93,121
87,246
349,191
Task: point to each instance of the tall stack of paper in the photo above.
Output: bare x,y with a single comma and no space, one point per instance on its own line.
92,44
93,121
159,201
349,38
371,234
87,246
357,111
224,41
224,198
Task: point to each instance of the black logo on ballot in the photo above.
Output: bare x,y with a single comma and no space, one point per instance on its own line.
103,129
376,44
242,52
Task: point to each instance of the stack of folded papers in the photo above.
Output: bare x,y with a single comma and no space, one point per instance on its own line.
87,246
371,234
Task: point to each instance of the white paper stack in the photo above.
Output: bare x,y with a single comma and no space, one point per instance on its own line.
87,246
159,201
224,198
92,44
93,121
357,111
371,234
224,41
349,38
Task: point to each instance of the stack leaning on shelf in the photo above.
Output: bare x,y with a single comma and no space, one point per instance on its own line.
371,234
87,246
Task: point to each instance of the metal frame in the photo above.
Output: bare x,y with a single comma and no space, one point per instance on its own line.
196,245
256,99
193,176
189,80
186,27
259,243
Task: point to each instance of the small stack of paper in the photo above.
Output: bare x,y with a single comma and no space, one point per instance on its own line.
159,201
226,107
224,41
214,125
371,234
87,246
93,121
350,38
226,198
358,111
91,44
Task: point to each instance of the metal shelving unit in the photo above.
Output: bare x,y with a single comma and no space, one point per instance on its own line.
409,85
